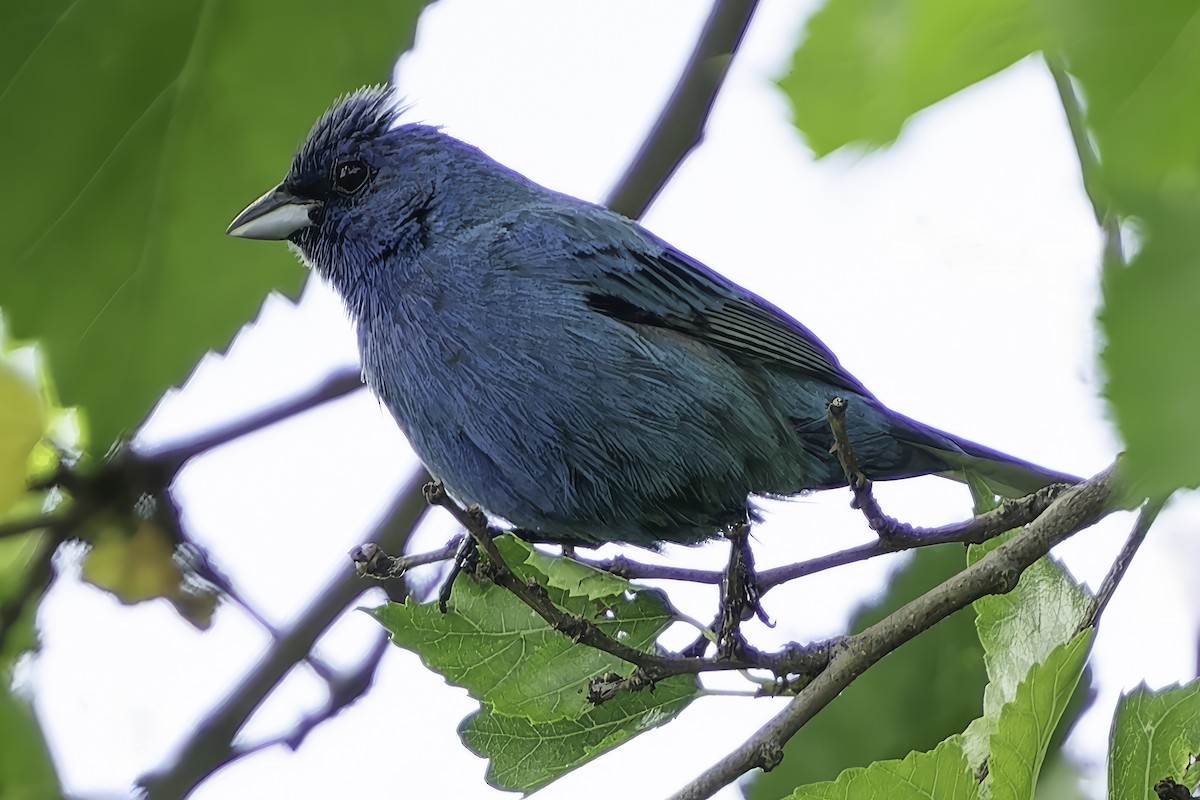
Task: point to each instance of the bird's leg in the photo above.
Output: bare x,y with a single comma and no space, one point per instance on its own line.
740,596
465,559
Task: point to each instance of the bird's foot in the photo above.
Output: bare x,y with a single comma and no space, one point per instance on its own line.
740,595
466,559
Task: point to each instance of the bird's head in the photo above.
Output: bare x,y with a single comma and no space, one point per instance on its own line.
365,195
332,170
358,186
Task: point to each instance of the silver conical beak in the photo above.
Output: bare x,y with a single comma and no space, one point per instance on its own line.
276,215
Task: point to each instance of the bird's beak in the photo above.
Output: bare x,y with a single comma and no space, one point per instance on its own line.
276,215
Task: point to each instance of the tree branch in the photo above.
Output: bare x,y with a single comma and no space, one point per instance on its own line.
680,125
33,581
371,561
211,744
1011,513
793,660
172,457
344,690
995,573
1141,527
59,521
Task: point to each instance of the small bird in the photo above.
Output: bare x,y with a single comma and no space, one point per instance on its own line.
559,365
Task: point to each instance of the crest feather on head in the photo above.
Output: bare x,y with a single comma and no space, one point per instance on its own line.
356,116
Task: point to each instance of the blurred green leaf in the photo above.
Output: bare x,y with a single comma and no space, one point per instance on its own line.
1155,735
914,698
1027,723
1153,337
135,131
135,560
1060,779
33,433
22,420
26,771
1138,66
863,68
536,722
942,774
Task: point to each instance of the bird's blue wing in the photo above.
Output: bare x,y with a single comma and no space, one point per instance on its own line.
623,271
665,287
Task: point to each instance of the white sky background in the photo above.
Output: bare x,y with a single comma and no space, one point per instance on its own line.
954,273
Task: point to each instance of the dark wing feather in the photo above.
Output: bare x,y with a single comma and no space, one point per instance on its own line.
671,290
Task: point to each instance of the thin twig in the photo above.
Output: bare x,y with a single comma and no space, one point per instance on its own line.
344,691
680,125
624,567
795,660
1011,513
1141,527
211,744
338,384
371,561
33,581
61,521
995,573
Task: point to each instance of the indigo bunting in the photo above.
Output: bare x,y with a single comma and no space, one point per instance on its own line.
561,366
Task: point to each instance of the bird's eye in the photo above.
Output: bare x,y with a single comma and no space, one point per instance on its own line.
349,177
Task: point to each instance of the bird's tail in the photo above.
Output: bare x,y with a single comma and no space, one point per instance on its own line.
1004,474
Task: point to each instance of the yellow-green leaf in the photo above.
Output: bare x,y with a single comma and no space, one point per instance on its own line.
22,418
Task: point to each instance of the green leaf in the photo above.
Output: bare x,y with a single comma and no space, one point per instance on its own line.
525,755
22,420
536,723
914,698
26,771
943,774
1152,330
578,580
1060,779
504,654
1027,723
1155,735
134,559
136,131
1019,630
864,67
1138,65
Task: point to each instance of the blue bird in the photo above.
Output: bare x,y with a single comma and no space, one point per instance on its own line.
561,366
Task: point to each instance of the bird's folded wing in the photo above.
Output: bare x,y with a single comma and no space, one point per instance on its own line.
671,290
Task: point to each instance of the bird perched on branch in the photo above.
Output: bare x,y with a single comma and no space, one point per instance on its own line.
559,365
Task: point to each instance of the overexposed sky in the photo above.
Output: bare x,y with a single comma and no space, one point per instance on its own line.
954,273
